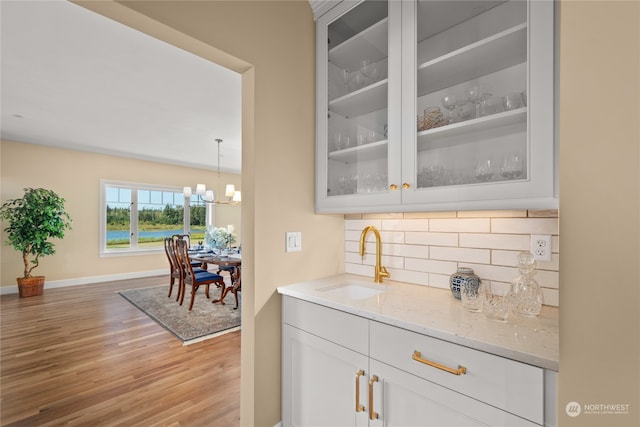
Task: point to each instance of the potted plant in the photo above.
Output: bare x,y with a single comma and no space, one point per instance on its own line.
34,219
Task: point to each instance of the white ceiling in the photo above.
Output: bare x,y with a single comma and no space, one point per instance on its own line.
74,79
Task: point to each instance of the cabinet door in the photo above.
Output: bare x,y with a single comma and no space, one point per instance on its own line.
320,381
358,98
478,104
404,400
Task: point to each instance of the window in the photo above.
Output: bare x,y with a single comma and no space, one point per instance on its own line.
135,218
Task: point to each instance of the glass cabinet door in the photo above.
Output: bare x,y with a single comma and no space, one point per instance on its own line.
356,126
469,82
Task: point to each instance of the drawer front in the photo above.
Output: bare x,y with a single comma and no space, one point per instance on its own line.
336,326
509,385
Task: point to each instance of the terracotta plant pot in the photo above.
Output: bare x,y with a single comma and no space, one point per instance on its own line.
30,286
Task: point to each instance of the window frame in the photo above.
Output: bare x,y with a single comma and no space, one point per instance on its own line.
134,187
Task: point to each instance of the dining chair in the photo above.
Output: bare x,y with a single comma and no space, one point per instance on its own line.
236,286
187,237
174,267
191,278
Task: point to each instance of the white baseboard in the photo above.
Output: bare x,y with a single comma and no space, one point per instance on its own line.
278,425
50,284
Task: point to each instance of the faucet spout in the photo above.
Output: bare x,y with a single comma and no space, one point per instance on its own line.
380,272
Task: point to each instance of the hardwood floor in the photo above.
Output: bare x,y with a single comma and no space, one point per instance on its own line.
83,355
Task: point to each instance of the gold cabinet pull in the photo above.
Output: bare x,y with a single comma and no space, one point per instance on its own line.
417,356
359,407
393,187
405,186
373,415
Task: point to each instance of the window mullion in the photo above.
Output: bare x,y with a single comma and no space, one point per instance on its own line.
134,218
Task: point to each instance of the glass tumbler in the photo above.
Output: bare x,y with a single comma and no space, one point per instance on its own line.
471,295
496,301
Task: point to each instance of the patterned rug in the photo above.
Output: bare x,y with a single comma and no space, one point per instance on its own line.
204,321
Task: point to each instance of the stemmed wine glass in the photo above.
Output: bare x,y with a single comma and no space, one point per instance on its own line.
450,102
477,93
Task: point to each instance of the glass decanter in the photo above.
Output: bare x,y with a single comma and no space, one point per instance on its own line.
526,295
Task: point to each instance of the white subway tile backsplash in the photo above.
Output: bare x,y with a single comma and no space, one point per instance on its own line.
430,266
407,276
411,251
406,224
525,225
462,225
429,238
492,214
495,241
359,224
426,248
506,258
482,256
439,280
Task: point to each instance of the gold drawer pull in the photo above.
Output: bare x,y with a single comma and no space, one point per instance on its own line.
373,415
406,186
393,187
359,407
417,356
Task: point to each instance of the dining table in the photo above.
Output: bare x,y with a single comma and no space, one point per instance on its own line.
230,263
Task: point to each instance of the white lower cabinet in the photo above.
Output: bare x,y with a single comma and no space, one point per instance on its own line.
405,400
339,369
319,381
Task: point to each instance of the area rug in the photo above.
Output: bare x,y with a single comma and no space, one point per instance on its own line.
204,321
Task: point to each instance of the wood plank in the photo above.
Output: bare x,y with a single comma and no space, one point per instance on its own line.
83,355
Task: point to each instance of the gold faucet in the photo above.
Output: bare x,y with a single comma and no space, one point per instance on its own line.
380,271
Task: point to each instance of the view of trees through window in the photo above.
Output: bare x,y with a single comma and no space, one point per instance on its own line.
142,218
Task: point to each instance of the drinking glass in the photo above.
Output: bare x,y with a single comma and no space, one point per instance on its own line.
512,101
512,167
450,102
484,170
476,94
488,106
471,297
495,302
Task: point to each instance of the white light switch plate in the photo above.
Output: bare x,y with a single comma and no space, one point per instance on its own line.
293,241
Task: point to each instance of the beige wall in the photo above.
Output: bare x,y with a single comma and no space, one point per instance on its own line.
76,176
599,209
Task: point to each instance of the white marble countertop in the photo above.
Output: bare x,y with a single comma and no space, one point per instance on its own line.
436,313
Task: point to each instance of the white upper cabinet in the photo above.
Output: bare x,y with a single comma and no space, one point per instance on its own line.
435,105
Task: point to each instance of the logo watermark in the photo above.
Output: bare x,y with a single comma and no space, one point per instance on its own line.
573,409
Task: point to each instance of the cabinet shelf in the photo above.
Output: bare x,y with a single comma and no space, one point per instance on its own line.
370,44
483,57
362,101
372,151
473,126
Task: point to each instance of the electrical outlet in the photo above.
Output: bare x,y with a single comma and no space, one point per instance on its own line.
541,247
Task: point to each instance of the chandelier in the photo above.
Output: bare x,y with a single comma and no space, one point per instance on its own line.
232,195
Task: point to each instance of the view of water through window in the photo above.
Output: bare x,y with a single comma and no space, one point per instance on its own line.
159,214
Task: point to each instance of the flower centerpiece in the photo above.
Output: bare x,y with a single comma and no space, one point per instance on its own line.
220,238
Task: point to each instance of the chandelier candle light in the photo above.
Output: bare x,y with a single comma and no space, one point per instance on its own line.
233,196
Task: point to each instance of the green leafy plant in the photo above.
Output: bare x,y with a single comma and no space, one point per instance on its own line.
34,219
